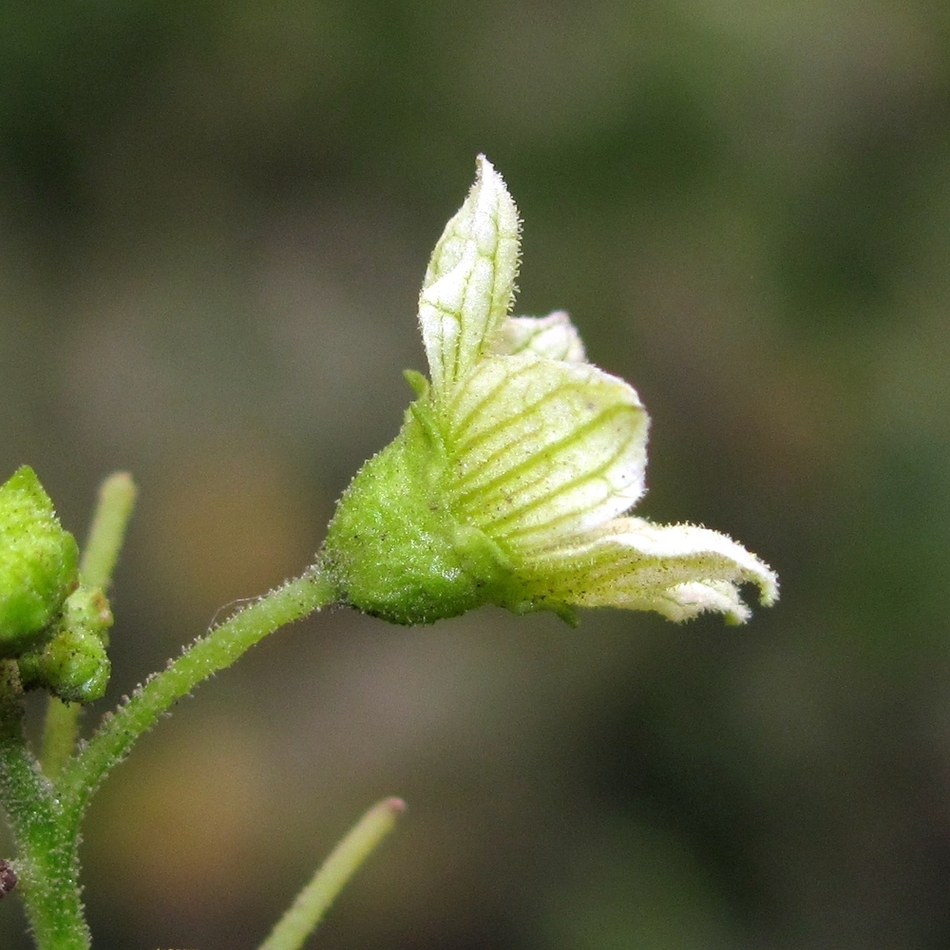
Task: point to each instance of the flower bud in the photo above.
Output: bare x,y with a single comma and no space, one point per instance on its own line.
38,563
74,665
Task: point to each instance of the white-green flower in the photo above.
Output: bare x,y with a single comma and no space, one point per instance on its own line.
511,477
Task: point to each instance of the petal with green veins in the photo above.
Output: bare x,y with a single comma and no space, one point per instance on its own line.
678,570
554,337
470,282
542,448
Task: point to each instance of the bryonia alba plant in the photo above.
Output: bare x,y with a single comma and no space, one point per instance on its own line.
510,478
509,483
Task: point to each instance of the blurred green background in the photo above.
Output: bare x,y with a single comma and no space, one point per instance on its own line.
214,221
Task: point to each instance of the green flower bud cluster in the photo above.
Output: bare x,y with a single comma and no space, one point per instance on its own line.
52,625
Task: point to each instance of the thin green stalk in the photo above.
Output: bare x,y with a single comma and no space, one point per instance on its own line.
99,556
314,900
215,651
107,531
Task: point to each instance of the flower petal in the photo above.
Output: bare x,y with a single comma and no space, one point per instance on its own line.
554,337
541,449
469,284
678,570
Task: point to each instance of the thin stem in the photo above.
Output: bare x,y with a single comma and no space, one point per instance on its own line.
313,901
99,556
107,531
215,651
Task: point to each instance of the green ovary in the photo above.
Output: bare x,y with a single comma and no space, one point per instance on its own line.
394,548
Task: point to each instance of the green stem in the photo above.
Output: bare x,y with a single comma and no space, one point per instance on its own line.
60,729
312,902
45,811
107,531
47,865
215,651
101,551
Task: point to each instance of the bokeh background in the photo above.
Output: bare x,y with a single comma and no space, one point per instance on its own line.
214,220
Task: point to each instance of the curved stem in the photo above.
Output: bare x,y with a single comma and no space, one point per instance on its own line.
314,900
218,649
45,811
